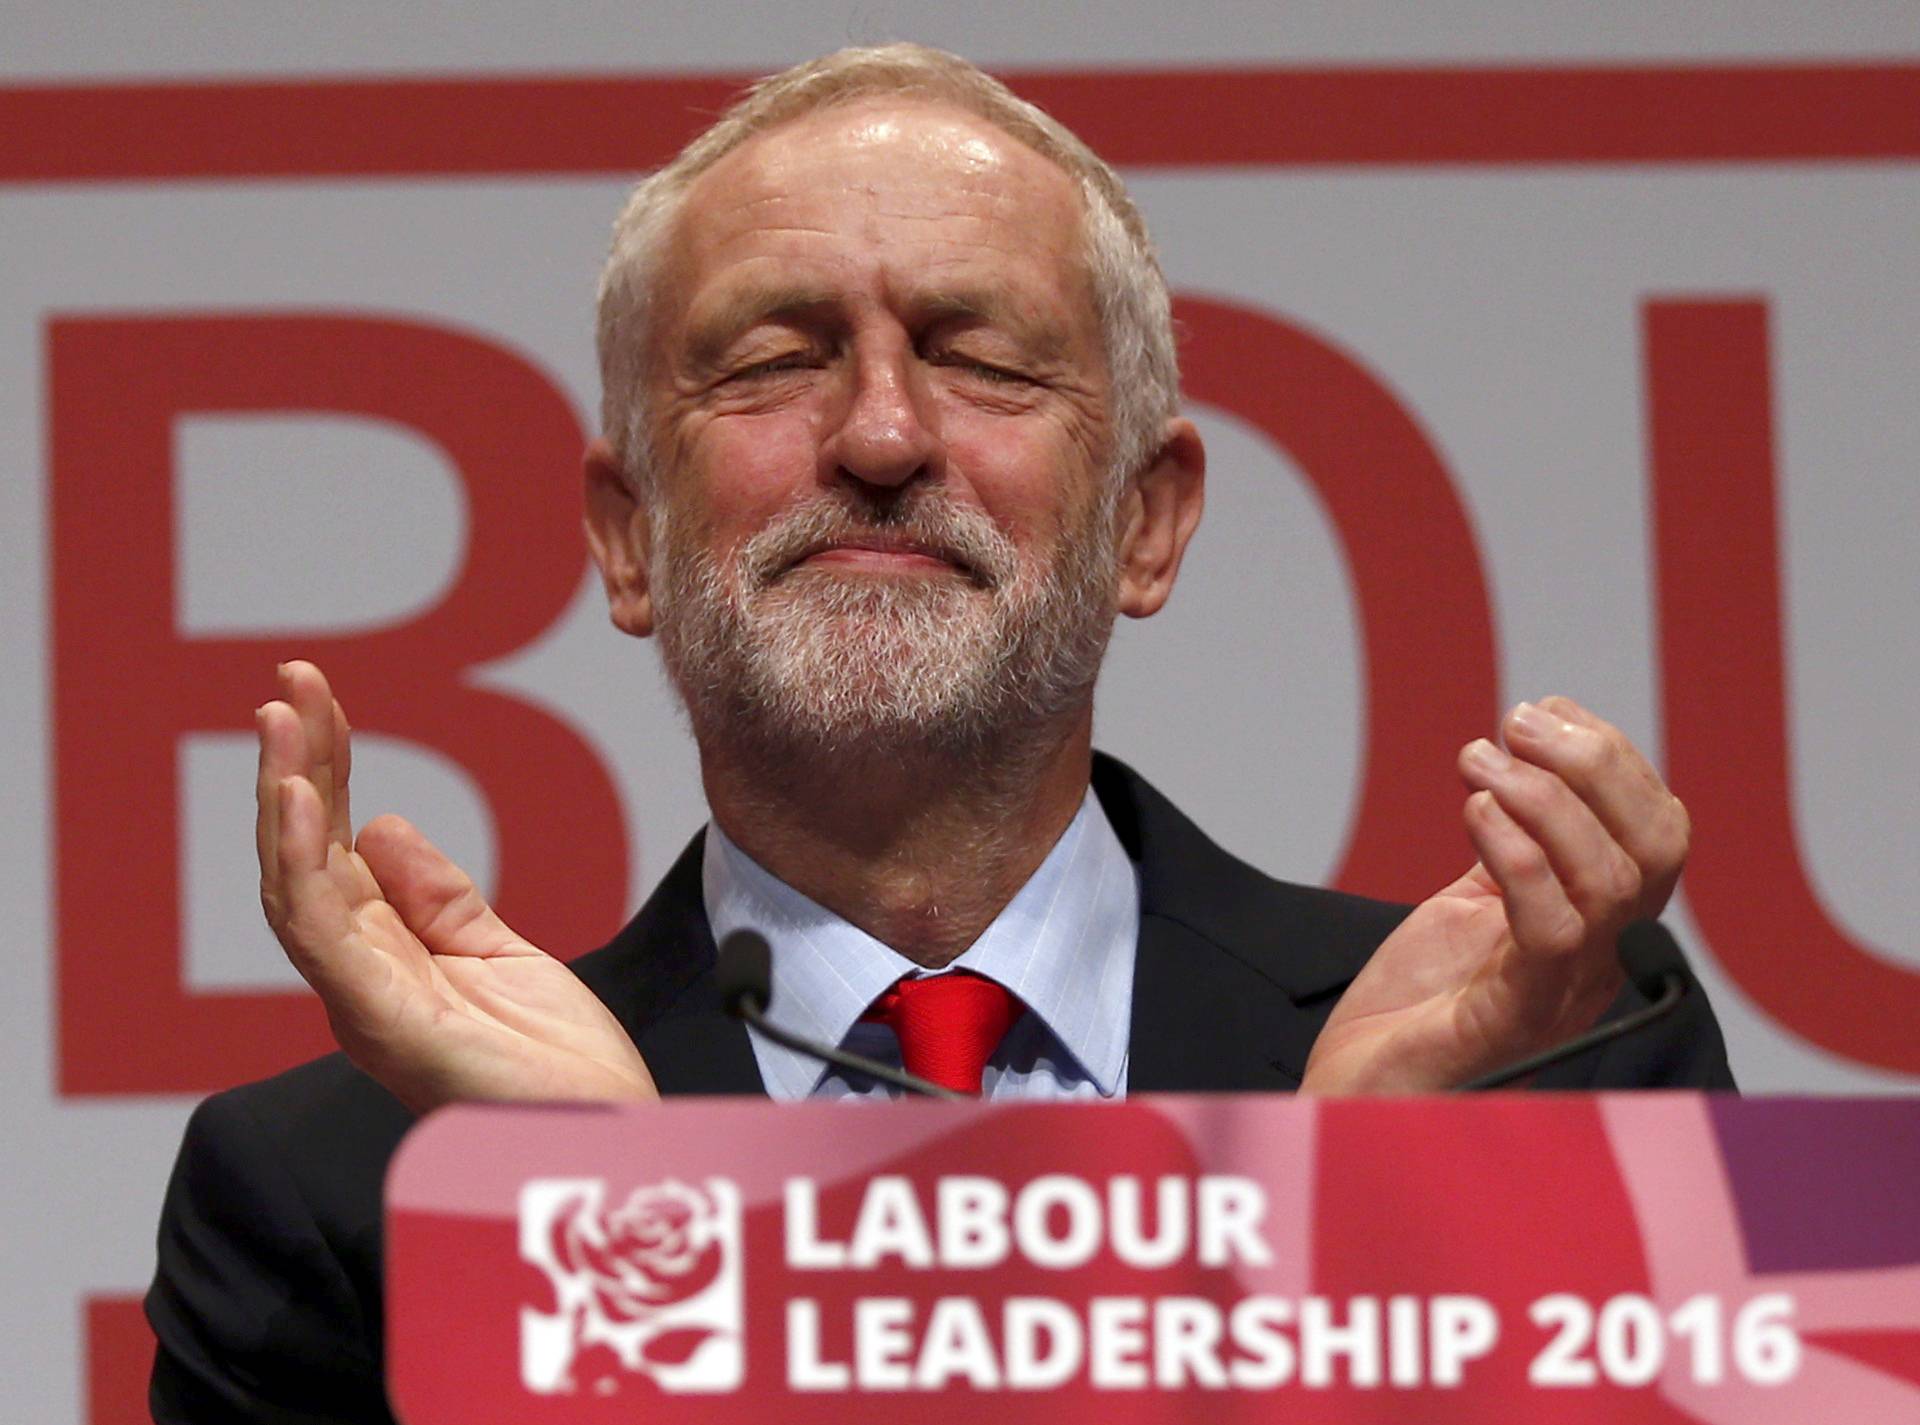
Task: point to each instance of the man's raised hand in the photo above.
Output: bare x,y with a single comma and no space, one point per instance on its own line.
1577,836
425,987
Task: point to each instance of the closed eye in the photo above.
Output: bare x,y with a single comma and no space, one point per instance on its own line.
773,366
986,370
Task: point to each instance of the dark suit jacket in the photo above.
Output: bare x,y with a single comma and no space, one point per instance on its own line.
267,1299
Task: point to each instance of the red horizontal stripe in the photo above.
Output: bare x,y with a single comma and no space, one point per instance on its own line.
1173,118
1492,116
351,127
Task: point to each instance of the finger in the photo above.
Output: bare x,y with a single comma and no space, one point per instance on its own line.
342,772
1607,747
315,917
1542,918
434,898
1612,777
1562,706
330,904
1546,987
282,755
1597,876
305,688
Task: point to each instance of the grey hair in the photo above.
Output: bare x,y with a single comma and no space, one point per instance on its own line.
1130,292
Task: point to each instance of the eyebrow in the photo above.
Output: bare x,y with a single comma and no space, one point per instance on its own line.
712,333
1037,334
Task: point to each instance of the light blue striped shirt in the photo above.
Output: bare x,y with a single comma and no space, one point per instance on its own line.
1064,945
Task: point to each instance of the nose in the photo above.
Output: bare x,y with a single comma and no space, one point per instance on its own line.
886,436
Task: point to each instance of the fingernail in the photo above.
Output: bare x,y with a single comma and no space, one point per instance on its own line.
1484,755
1536,723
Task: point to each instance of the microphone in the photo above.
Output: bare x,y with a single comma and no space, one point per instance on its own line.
744,972
1653,961
1654,964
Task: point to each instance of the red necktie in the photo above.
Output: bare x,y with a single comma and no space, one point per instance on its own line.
948,1025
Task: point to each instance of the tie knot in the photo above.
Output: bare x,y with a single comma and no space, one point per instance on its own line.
948,1025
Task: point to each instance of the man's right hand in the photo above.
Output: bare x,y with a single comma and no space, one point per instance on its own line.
426,988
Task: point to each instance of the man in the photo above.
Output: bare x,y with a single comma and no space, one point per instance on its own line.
891,436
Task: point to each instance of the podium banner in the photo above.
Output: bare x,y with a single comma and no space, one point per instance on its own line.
1617,1258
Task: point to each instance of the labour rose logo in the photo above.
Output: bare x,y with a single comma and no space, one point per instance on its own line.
649,1286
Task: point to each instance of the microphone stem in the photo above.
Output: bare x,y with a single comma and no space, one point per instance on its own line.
749,1009
1670,991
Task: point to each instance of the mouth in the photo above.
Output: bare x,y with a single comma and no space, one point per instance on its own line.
882,554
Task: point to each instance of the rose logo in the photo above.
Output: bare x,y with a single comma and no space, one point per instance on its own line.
661,1247
651,1286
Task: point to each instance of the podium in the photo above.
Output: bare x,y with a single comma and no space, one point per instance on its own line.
1616,1257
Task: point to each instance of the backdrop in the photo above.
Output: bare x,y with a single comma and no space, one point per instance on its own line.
1539,348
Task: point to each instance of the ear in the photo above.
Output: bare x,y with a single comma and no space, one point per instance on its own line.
620,537
1161,509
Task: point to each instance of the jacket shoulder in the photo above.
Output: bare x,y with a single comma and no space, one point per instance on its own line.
266,1295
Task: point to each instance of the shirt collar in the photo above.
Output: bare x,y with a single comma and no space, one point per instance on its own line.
1064,944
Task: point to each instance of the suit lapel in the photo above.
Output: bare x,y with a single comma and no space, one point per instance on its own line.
701,1051
1202,1023
1235,972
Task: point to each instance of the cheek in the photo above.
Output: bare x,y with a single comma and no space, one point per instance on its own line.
1030,477
745,469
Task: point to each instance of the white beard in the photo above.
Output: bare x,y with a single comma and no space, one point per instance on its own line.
782,659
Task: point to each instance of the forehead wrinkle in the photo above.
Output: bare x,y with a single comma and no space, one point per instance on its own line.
727,234
992,211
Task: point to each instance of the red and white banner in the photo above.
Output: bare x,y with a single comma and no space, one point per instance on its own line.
1616,1258
1534,353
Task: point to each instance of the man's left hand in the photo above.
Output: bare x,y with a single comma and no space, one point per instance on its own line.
1578,836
